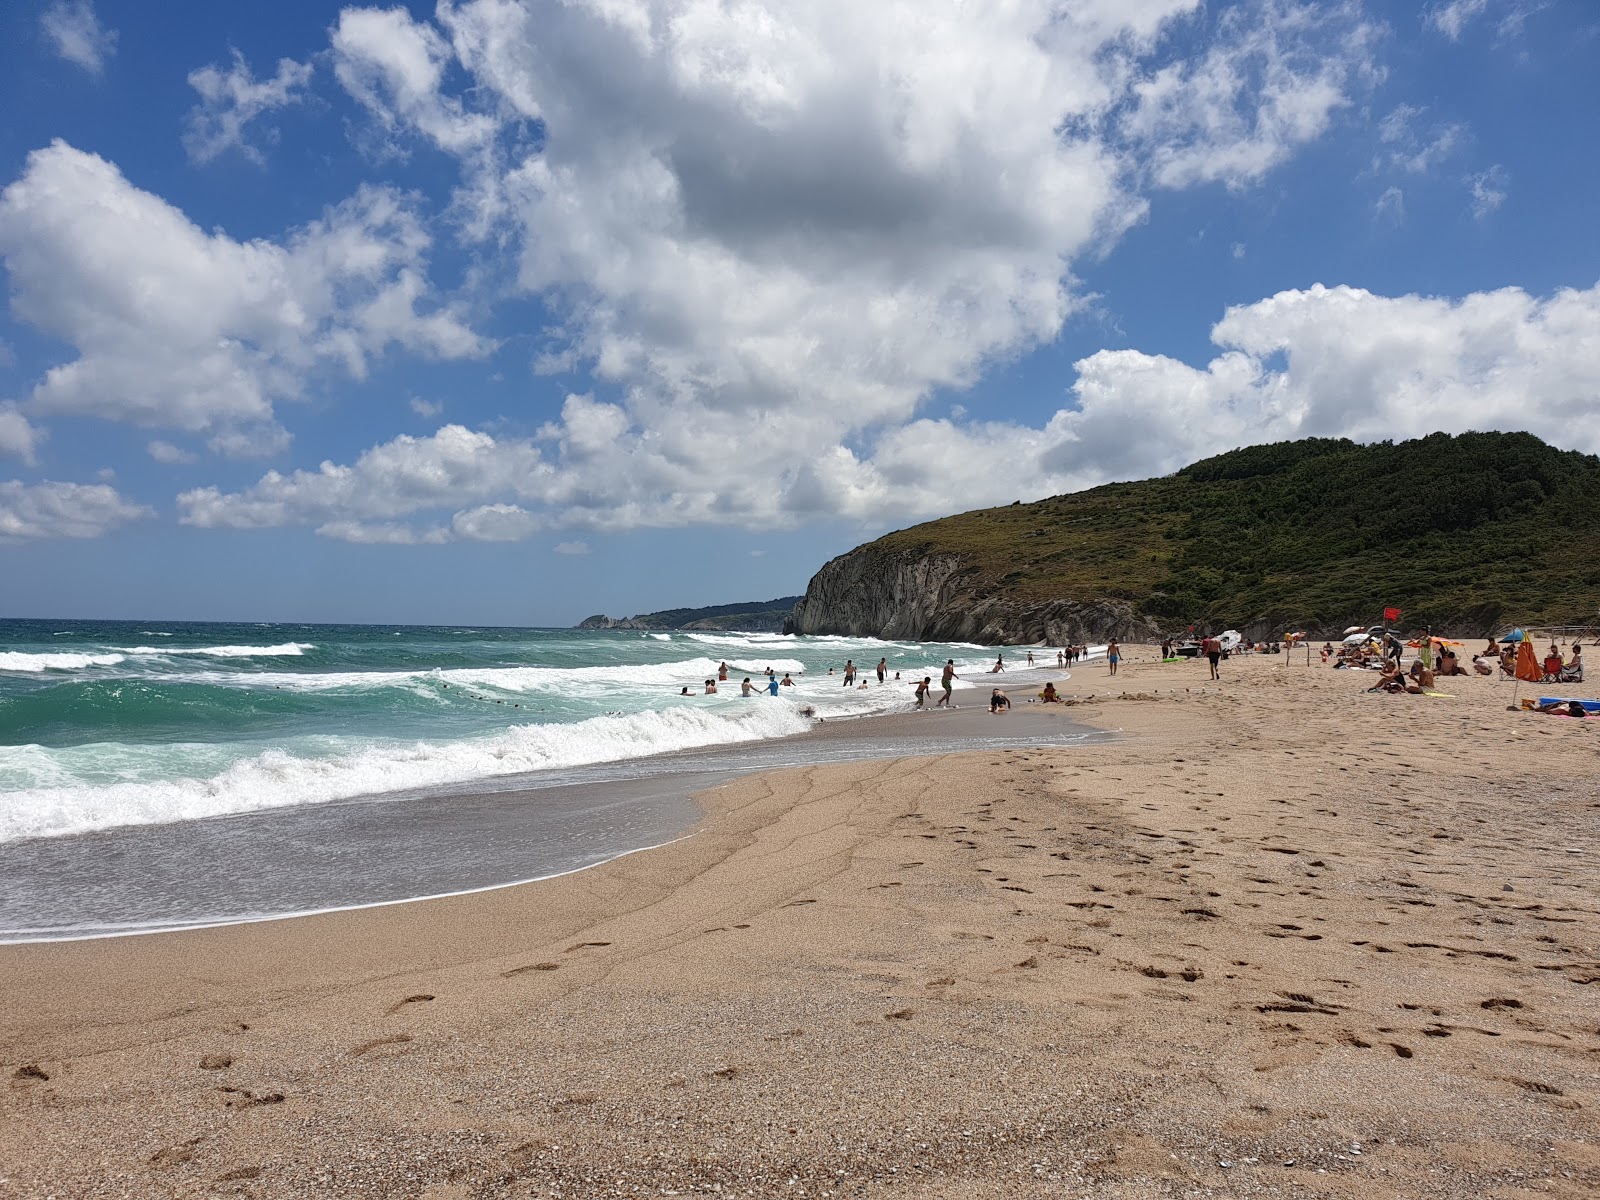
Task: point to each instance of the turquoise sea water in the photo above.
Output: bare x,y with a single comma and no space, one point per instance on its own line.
105,724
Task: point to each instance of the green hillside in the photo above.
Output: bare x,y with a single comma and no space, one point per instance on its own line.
749,616
1461,532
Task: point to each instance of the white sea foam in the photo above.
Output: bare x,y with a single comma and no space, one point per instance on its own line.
17,660
588,681
154,633
284,650
276,778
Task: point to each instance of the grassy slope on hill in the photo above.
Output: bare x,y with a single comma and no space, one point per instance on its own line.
1467,530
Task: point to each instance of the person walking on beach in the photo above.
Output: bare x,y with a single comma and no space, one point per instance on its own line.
1113,655
849,672
947,681
922,691
1213,652
883,669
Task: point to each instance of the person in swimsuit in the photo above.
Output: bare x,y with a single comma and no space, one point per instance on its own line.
1113,655
999,702
922,691
883,669
1048,696
946,681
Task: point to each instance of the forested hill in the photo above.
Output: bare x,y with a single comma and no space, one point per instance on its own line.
1466,533
750,616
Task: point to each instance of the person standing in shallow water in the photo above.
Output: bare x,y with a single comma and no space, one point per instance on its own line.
1113,655
947,681
849,672
883,669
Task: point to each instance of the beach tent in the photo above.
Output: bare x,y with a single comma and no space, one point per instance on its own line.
1230,639
1516,635
1356,639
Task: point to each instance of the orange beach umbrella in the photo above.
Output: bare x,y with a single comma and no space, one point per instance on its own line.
1528,668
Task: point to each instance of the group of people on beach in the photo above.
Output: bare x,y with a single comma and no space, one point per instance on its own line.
1437,657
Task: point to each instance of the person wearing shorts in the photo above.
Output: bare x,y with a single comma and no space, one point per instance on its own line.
1213,650
1113,655
946,681
922,691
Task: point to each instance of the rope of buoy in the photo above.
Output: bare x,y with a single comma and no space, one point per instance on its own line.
487,699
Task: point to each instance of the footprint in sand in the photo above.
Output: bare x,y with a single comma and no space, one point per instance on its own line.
419,998
544,966
394,1039
586,946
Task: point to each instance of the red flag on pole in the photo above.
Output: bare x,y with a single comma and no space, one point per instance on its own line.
1391,614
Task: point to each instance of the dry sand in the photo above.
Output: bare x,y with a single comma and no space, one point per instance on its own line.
1283,939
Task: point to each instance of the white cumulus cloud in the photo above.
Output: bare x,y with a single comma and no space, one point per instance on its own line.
77,35
18,438
231,98
31,512
191,330
166,452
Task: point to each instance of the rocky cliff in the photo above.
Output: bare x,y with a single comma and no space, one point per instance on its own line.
877,591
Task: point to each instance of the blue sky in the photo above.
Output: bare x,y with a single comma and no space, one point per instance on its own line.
512,311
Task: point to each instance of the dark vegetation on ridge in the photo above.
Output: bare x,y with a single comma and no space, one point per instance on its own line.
749,616
1467,533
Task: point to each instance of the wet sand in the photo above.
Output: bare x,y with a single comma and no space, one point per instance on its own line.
1283,938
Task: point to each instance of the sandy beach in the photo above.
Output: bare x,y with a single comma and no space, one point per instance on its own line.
1279,938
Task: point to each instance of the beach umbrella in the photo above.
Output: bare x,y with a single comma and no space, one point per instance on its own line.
1439,641
1528,668
1355,629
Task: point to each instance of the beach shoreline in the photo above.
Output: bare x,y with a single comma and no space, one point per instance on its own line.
180,875
1284,937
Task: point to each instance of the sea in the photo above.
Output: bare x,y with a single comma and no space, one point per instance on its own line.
162,774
